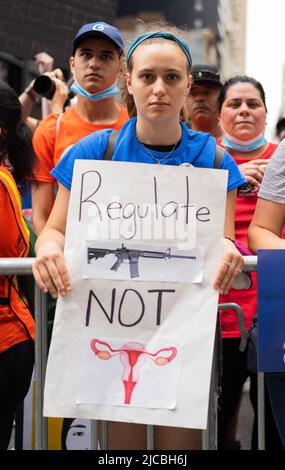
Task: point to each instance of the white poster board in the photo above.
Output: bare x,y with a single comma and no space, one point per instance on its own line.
134,343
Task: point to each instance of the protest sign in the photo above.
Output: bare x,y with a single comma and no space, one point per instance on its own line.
134,339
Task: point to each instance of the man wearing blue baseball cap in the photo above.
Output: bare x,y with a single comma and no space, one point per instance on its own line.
95,65
99,29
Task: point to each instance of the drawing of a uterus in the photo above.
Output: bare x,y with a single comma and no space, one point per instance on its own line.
132,356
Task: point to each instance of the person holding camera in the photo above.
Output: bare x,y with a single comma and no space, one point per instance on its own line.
51,104
95,65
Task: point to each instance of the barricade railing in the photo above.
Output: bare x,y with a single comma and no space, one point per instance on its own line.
23,266
251,266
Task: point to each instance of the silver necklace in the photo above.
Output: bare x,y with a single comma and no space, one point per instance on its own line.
159,160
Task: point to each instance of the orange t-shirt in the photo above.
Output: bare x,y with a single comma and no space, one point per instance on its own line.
50,143
16,323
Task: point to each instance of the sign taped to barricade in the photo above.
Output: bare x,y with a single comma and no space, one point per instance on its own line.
133,341
271,308
62,433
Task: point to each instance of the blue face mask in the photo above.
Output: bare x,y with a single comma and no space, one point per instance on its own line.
102,95
240,147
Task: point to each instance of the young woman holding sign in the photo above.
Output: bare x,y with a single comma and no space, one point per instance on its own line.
157,82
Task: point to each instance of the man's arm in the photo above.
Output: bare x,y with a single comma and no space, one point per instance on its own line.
42,202
266,227
27,99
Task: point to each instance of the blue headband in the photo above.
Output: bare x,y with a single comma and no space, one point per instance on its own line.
161,34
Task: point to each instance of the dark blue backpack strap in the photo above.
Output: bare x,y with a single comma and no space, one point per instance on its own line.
219,155
111,145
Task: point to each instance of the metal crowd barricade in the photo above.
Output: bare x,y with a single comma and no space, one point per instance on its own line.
23,266
251,266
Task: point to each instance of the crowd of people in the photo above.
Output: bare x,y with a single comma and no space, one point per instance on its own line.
154,97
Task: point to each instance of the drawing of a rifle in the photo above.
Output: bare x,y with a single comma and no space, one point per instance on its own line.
130,256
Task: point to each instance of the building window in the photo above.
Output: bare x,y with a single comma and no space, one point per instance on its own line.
198,23
198,5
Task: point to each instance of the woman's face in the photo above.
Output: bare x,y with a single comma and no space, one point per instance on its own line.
159,81
78,435
243,113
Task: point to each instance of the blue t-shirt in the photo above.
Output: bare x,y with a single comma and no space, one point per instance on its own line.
196,148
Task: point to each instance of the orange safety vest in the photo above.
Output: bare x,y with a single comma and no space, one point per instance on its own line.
16,321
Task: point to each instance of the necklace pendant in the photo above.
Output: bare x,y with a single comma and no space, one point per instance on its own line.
157,160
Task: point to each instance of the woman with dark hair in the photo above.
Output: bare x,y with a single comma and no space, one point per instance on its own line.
16,322
242,108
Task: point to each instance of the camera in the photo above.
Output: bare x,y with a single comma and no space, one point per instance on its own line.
44,86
